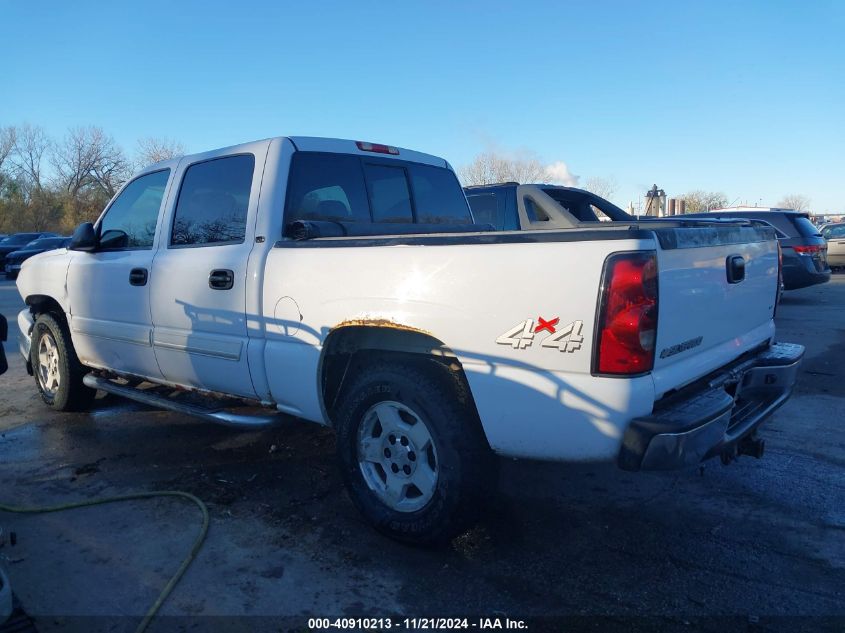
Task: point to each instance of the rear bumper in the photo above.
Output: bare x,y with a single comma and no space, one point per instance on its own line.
801,271
691,428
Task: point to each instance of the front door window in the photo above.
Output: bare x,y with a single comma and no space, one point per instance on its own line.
130,221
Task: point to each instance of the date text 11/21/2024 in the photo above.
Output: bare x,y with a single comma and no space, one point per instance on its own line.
414,624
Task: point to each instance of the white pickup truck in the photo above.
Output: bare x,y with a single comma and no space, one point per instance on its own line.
344,283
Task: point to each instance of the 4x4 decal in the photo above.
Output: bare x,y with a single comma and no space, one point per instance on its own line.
523,334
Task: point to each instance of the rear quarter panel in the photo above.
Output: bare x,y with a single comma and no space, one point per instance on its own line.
534,400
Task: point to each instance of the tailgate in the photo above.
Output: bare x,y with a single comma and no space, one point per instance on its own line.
706,316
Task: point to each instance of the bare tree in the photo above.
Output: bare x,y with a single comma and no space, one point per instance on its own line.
88,168
77,156
110,174
152,150
795,201
26,158
698,200
602,186
8,137
483,170
491,167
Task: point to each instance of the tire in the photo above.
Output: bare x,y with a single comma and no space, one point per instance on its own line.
57,370
384,455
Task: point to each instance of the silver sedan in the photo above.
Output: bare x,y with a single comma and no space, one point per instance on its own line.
835,236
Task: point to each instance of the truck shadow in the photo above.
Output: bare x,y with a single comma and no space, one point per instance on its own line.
534,408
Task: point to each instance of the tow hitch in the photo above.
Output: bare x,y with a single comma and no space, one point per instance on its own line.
753,446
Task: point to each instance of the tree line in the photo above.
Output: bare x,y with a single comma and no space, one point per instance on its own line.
492,167
53,184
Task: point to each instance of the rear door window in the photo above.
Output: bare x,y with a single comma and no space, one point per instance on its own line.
390,198
779,221
804,227
213,201
438,196
326,187
348,188
778,233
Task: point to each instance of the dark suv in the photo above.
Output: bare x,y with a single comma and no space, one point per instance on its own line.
804,249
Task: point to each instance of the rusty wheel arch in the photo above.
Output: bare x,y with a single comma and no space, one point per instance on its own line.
351,343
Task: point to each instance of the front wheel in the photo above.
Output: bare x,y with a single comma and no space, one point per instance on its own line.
413,456
58,372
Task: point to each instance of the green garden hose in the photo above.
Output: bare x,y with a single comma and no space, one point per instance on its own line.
168,588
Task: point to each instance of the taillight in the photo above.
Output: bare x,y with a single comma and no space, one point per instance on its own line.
810,249
627,320
378,148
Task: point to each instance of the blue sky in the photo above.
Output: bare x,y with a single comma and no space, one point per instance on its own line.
743,97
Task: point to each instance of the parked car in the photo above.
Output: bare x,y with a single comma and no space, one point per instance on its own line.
345,283
510,206
804,249
835,236
15,242
15,259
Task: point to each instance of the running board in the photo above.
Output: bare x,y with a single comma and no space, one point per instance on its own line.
155,400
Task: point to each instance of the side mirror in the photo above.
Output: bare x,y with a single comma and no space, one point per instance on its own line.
84,238
114,238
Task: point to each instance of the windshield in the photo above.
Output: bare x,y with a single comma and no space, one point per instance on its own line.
23,238
835,231
46,242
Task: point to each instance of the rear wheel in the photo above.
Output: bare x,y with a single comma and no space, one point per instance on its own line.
58,372
413,456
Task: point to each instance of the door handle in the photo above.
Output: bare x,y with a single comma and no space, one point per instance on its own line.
221,279
735,265
138,277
